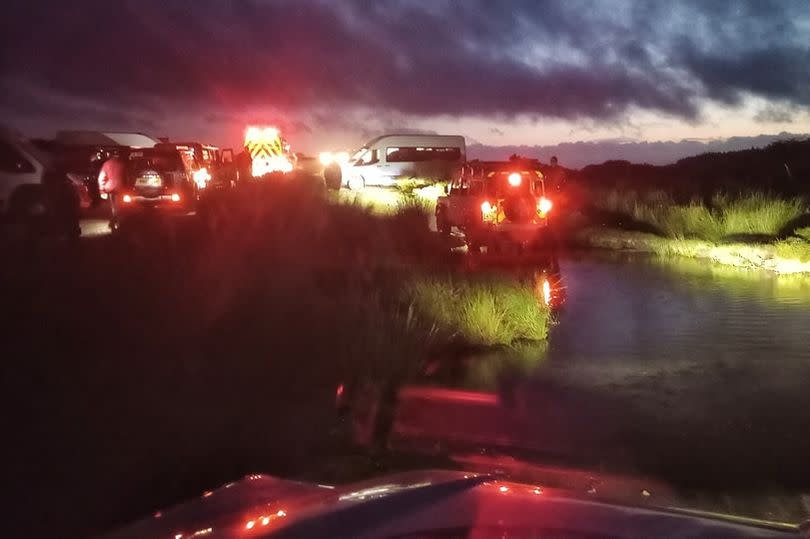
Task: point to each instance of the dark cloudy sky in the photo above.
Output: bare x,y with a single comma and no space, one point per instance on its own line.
333,73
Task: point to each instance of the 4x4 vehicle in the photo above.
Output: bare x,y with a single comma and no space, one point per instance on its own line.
210,167
497,205
159,181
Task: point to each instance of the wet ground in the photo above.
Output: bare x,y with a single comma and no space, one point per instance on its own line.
673,369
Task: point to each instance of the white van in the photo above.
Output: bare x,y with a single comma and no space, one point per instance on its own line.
385,160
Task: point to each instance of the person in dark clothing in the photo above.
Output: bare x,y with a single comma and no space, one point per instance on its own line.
62,205
110,182
555,175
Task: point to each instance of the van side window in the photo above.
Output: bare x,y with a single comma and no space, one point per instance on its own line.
416,154
396,155
447,154
13,161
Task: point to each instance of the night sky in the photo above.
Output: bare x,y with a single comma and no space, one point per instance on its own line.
334,73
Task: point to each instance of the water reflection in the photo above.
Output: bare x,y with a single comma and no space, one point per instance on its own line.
540,271
792,289
486,376
692,373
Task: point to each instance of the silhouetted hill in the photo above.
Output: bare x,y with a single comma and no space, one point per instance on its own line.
782,167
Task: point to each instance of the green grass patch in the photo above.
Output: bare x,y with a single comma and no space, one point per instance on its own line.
794,249
755,214
481,312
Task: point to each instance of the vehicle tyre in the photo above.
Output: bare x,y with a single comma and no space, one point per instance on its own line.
333,177
356,183
442,224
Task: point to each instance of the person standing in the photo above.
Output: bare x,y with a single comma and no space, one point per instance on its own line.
555,175
110,183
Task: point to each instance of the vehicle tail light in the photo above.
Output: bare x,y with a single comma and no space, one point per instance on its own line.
175,197
126,199
544,205
515,179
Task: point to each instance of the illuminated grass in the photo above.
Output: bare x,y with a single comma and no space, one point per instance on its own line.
487,312
794,249
756,214
409,194
788,256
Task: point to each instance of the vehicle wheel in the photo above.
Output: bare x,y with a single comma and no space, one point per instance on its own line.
356,183
442,224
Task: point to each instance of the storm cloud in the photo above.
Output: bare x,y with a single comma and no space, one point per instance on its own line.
570,60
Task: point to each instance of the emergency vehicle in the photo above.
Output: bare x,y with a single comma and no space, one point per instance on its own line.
207,164
268,151
497,205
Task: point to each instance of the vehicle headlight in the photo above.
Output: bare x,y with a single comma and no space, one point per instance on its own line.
201,177
489,211
326,158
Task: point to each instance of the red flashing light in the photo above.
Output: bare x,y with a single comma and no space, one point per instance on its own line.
515,179
126,199
175,197
250,524
544,205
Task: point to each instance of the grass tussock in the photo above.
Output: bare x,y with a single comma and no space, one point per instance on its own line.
794,249
490,312
751,215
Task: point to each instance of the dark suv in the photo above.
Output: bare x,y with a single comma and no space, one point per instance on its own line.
157,181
